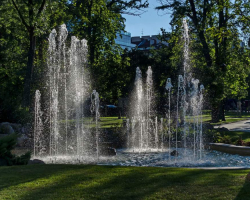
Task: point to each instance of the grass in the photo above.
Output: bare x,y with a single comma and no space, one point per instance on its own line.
105,122
232,117
109,122
229,120
109,182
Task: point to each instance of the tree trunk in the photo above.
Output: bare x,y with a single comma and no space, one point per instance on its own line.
29,70
222,111
215,113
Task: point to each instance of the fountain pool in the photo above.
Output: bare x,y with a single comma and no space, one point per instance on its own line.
153,158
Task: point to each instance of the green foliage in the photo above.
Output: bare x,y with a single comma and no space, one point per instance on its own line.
96,21
217,59
7,143
224,139
233,137
22,160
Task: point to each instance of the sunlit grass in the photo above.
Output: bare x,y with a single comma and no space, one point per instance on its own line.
104,122
117,183
110,122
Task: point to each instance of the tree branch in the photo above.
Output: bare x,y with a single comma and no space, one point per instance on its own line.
41,8
21,16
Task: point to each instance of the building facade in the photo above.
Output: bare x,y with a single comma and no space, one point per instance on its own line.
124,40
147,42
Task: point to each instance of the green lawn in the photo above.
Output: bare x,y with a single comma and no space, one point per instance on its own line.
108,182
230,117
109,122
105,122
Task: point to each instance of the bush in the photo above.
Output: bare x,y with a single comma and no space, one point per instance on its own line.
211,135
224,139
22,160
240,142
7,143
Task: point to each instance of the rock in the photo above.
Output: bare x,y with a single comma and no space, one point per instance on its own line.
108,151
223,129
248,177
16,127
35,162
207,126
174,153
23,140
6,128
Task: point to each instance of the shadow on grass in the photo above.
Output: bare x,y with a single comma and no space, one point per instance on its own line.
107,182
113,183
244,193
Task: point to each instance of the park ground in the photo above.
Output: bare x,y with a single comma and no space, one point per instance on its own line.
109,122
114,182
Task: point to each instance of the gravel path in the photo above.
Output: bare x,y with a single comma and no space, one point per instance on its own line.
237,126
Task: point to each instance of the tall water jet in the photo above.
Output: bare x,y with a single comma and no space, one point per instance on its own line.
180,88
77,86
168,87
186,66
156,133
200,113
149,104
138,112
67,87
127,132
53,90
39,146
144,125
189,104
63,33
162,134
194,99
95,104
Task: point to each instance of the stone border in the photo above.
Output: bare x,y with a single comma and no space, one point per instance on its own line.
229,148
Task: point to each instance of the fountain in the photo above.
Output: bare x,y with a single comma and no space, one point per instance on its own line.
144,123
61,134
68,87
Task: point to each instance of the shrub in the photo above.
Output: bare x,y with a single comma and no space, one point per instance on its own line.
224,139
240,142
7,143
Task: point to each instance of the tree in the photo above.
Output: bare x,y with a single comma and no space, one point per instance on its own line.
35,17
100,21
13,47
213,22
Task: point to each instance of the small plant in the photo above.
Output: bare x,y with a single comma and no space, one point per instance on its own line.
7,143
247,144
22,160
240,142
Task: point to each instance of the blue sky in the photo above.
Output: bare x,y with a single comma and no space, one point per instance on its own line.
150,22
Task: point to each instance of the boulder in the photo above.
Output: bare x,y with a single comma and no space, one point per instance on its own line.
23,141
174,153
207,126
35,162
108,151
223,129
6,128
